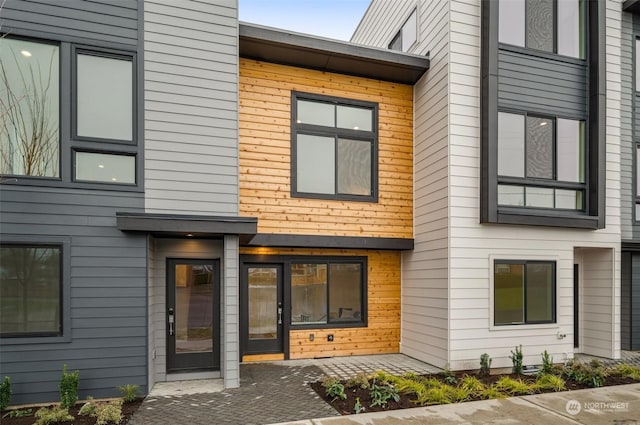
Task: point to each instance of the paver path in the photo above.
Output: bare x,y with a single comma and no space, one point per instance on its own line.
268,393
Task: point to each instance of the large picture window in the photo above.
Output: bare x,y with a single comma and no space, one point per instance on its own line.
524,292
29,108
328,292
554,26
541,162
30,290
334,148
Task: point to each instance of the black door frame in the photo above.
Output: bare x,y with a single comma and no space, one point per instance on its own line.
247,261
192,361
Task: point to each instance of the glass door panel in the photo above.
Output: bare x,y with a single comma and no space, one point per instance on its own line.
263,303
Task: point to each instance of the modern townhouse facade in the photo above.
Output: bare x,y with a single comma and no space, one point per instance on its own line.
520,195
181,192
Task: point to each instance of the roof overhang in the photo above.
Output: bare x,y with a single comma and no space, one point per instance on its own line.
632,6
323,54
186,225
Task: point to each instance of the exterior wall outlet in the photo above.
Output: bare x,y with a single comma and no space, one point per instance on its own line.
330,337
312,337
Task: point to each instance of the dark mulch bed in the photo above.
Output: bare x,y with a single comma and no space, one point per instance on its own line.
346,407
128,409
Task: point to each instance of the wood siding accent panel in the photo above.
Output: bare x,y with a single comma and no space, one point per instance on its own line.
382,334
265,155
94,22
106,315
191,107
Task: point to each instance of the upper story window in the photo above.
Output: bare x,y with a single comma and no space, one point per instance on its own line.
541,161
30,290
407,35
29,108
554,26
335,143
84,133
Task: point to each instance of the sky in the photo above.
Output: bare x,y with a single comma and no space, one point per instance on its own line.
326,18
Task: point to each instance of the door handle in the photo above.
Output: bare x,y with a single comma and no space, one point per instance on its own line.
171,320
279,315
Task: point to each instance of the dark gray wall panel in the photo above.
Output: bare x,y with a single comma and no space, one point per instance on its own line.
625,297
542,85
74,20
634,304
107,278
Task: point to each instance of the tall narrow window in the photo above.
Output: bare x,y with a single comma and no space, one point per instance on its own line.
105,97
554,26
524,292
29,108
541,162
335,143
407,35
30,289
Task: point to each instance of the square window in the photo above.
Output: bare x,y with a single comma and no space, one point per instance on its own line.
524,292
29,107
327,293
30,290
104,97
407,35
335,148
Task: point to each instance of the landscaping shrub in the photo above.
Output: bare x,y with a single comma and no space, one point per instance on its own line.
547,363
513,386
334,388
627,371
516,358
53,415
5,393
382,392
129,392
68,388
485,364
550,382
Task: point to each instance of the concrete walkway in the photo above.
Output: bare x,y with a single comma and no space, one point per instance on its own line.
617,405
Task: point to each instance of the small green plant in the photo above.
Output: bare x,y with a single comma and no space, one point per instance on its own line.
472,385
382,392
54,415
108,412
550,382
17,413
361,380
447,376
358,407
69,388
485,364
129,392
593,374
513,386
334,388
516,358
5,393
547,363
435,395
491,393
627,371
89,408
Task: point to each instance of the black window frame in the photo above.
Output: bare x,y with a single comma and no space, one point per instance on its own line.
555,31
398,38
336,133
554,302
69,143
61,298
329,261
545,183
594,216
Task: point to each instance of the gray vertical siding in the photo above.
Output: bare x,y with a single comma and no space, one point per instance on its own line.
104,302
191,107
626,128
634,301
625,301
230,312
539,84
94,22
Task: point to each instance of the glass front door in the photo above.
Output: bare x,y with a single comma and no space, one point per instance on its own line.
262,314
193,315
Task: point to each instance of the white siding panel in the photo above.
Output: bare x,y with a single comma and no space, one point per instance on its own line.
191,107
626,128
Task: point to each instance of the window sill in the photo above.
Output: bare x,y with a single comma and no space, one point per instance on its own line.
524,326
548,218
7,341
328,326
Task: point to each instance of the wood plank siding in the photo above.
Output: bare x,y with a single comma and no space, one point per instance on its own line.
265,155
382,335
